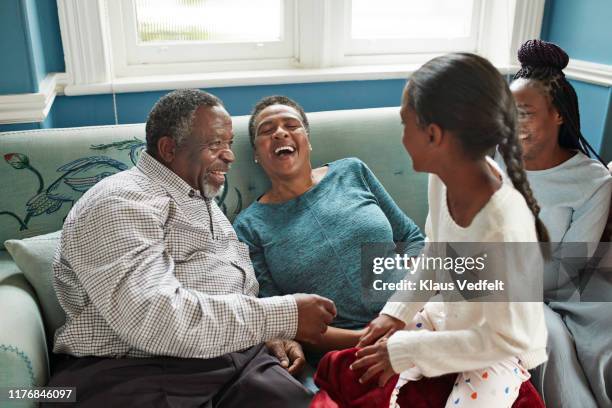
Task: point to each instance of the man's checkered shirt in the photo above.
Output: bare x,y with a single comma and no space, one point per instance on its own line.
147,266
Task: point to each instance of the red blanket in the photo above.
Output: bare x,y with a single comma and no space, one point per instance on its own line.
340,388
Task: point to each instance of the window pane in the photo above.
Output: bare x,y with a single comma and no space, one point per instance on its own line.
209,20
418,19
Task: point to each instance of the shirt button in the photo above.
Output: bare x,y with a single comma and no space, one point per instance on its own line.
192,193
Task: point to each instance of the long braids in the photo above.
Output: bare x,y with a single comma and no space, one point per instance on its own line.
466,94
544,62
512,153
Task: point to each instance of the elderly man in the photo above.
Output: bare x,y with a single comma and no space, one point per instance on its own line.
160,296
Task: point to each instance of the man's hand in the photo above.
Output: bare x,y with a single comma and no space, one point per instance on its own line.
375,359
314,314
289,353
383,326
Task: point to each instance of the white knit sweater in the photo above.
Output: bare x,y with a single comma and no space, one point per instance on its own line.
472,335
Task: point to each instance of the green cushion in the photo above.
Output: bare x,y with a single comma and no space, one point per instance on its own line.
16,372
45,171
23,348
8,267
34,257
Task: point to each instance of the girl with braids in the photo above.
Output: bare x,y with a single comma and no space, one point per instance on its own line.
455,108
573,191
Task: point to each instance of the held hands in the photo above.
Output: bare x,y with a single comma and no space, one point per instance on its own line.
375,359
314,314
383,326
289,353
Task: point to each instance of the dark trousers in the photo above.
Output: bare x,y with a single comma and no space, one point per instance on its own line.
251,378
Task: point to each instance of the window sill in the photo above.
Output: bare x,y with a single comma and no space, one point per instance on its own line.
250,78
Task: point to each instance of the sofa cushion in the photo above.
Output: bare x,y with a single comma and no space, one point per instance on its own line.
8,267
45,171
34,257
23,348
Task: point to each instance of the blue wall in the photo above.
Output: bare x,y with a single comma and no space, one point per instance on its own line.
32,44
16,75
594,103
47,41
584,29
31,48
134,107
606,148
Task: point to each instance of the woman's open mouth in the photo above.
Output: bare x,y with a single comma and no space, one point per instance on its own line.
284,152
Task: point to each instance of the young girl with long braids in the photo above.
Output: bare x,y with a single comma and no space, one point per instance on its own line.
573,191
455,108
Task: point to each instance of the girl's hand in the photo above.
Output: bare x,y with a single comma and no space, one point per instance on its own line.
383,326
376,359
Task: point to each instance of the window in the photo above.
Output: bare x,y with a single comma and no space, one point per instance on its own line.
156,37
412,26
255,34
162,31
139,45
167,21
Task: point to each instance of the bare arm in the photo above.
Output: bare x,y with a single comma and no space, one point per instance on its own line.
336,339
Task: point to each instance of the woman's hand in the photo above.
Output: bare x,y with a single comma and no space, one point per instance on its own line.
383,326
375,359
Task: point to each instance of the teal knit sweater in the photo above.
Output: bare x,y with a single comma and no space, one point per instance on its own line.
312,244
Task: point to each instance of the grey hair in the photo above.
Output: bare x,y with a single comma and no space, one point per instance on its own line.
173,116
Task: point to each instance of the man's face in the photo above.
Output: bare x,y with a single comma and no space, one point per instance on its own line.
205,157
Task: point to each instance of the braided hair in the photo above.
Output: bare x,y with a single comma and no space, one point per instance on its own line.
464,93
543,62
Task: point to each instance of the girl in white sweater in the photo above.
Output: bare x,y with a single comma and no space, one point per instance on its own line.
456,108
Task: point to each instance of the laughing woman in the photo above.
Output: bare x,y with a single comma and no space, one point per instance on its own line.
305,232
573,191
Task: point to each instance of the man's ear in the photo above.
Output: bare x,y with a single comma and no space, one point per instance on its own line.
166,148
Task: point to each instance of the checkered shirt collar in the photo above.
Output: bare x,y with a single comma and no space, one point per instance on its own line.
166,177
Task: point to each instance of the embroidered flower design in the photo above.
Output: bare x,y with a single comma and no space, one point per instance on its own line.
17,160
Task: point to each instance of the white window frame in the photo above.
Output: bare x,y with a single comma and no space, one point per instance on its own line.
400,46
93,66
133,59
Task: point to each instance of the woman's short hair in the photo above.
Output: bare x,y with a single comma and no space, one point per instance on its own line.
275,100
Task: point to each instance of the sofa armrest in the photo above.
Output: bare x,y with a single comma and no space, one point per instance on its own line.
24,359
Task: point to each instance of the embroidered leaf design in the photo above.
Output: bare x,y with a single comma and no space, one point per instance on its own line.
41,204
134,145
121,145
83,184
73,165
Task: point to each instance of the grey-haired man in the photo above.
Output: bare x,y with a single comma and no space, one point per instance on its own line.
160,296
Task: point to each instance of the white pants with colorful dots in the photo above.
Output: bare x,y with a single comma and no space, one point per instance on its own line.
494,386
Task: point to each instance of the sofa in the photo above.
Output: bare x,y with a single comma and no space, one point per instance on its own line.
45,171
